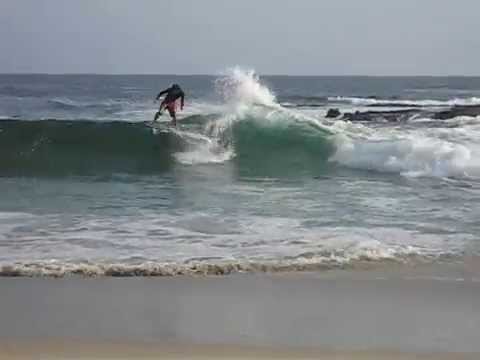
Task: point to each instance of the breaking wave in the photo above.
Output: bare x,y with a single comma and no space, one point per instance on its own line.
431,152
251,129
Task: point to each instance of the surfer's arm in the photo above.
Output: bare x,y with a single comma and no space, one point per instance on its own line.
182,100
162,93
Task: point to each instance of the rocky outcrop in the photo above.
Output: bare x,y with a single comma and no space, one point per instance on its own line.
473,111
405,114
333,113
391,116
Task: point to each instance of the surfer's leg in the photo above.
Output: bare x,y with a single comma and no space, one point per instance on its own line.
173,116
159,112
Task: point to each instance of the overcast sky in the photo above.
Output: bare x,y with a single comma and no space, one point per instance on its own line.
298,37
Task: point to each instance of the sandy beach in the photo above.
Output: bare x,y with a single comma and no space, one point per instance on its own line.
90,351
396,314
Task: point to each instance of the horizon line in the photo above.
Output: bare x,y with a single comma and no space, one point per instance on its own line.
211,75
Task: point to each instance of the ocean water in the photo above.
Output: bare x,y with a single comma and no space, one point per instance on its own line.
255,178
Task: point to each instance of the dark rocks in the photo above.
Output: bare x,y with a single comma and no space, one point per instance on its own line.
398,115
360,116
471,110
390,116
333,113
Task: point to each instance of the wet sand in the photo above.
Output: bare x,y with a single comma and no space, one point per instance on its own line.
427,314
83,351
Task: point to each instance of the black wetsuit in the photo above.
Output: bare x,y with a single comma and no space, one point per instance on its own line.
173,93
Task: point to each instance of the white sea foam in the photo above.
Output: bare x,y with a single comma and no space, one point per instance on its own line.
202,150
438,152
355,256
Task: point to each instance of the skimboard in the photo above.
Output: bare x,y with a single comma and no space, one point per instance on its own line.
161,126
167,127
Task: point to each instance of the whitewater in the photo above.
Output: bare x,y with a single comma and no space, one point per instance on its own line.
256,178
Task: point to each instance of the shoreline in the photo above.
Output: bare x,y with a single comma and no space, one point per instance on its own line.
465,268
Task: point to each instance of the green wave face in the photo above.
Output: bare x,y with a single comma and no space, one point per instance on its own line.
55,148
280,147
260,146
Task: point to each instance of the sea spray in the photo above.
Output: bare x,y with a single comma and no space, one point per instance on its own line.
243,87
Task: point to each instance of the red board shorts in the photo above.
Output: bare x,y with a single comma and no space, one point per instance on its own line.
171,106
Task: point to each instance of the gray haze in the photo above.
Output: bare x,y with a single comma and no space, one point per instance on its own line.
304,37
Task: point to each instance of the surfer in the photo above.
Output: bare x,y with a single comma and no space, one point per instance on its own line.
173,93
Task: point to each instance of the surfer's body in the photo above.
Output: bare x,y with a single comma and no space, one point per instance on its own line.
173,94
